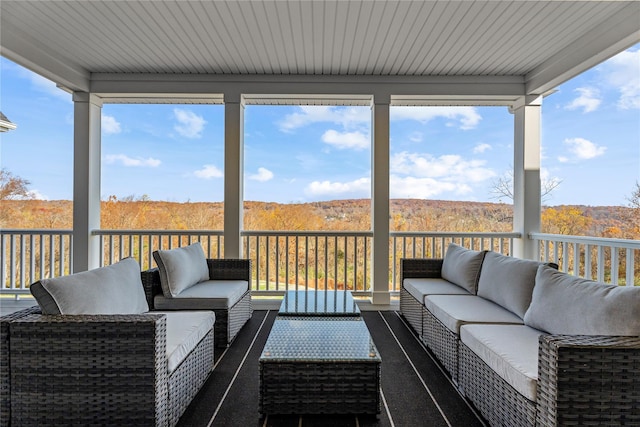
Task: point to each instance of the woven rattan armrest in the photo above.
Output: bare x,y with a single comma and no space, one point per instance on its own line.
588,380
88,367
429,268
229,269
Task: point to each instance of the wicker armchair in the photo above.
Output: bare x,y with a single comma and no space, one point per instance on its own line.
97,370
228,321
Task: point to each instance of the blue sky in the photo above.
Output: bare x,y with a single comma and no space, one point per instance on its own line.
590,142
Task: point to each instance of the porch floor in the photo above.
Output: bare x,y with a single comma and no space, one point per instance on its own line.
415,391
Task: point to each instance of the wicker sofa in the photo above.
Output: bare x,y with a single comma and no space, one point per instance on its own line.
526,344
185,280
98,356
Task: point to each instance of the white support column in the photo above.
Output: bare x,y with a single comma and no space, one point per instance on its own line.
233,174
380,199
526,175
86,180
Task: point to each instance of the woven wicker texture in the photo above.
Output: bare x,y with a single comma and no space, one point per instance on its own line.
441,341
588,381
496,400
5,368
228,322
319,388
100,370
89,370
319,365
411,309
428,268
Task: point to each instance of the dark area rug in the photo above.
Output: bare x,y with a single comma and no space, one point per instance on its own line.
415,391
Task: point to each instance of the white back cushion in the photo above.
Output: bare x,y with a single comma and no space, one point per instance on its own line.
181,268
565,304
114,289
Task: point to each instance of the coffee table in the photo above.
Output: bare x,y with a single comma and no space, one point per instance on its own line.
319,365
318,303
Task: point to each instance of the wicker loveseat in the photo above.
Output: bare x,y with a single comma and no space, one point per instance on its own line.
526,344
185,280
122,365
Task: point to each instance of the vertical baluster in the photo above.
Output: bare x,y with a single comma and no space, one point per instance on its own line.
32,260
326,262
52,258
23,261
268,258
61,249
286,259
630,267
277,262
614,265
600,264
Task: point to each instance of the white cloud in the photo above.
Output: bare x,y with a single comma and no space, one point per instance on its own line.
589,100
46,86
623,72
209,172
190,125
110,125
582,149
348,117
481,148
423,188
416,137
359,187
448,167
262,175
129,161
35,194
346,140
465,117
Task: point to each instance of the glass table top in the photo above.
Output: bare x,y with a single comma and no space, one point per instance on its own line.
318,303
307,339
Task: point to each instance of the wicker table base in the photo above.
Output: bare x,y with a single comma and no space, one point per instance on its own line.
318,366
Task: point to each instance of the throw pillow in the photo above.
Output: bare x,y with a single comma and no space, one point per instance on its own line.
565,304
114,289
181,268
462,266
508,281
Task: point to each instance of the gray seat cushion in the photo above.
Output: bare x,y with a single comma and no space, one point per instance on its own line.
419,288
453,311
185,329
508,281
565,304
114,289
461,266
509,350
181,268
207,295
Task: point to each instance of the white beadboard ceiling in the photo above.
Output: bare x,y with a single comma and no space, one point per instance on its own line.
543,42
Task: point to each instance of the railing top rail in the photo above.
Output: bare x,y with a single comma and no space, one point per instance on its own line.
307,233
156,232
601,241
31,231
457,234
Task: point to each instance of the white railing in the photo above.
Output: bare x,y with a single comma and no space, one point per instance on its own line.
615,261
285,260
140,244
27,256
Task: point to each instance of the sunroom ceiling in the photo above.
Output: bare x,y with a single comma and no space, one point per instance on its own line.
539,43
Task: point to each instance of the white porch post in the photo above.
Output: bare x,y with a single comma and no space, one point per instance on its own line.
86,180
380,199
526,175
233,174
